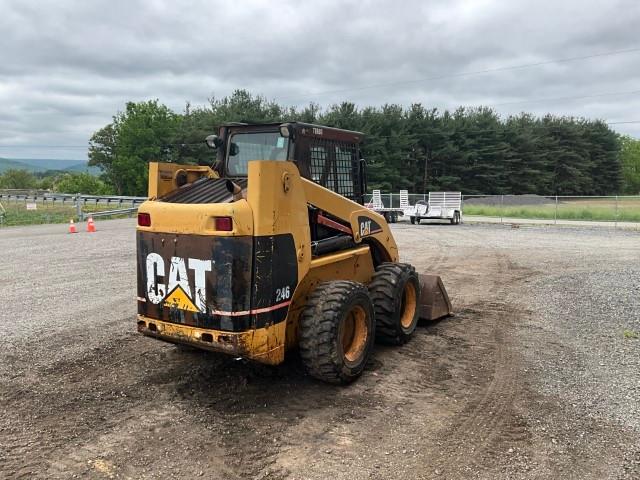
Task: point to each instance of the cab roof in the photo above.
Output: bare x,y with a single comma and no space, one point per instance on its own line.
300,128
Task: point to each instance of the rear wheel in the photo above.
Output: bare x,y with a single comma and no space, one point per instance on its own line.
413,220
395,291
455,220
337,331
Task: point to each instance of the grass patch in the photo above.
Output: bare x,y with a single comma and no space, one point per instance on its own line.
17,214
630,334
627,211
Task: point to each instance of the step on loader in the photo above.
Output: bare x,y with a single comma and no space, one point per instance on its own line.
271,250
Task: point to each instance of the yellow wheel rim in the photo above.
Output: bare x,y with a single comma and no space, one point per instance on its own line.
409,304
354,334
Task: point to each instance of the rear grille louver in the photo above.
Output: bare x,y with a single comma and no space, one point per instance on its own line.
204,190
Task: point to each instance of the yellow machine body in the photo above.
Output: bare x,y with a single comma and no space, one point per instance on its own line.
274,205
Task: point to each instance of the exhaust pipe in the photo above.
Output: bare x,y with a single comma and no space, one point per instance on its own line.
235,190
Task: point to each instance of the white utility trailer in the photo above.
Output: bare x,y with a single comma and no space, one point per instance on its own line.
441,205
389,213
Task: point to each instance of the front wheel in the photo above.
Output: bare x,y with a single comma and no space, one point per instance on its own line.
337,331
395,291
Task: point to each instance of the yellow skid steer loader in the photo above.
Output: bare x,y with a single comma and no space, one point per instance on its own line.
272,249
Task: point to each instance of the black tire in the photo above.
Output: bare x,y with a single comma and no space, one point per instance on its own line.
337,331
395,291
456,218
413,220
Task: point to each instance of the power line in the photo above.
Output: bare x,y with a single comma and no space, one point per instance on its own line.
621,123
533,100
556,99
465,74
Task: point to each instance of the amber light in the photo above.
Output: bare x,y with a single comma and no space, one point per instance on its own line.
224,224
144,220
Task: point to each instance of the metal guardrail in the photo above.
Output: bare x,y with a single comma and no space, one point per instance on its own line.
22,195
124,204
108,213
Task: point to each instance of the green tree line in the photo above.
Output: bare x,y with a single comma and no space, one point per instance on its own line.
416,148
54,181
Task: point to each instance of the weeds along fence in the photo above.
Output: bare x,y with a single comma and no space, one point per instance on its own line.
542,209
22,207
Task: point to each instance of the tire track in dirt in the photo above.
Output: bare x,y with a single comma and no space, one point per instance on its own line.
455,399
418,376
488,414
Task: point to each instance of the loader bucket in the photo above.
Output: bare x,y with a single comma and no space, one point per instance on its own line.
434,301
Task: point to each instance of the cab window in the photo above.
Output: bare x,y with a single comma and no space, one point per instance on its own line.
245,147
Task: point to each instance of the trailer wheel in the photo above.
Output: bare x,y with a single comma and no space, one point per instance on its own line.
413,220
337,331
395,291
456,218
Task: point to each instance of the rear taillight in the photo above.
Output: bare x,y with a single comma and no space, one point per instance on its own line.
224,224
144,220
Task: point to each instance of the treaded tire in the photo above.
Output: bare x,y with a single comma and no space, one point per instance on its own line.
395,291
413,220
333,310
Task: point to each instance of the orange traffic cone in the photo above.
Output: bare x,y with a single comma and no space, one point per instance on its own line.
91,227
72,227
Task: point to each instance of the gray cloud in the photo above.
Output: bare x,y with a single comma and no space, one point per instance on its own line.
67,67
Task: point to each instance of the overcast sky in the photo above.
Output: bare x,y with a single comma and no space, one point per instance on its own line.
67,66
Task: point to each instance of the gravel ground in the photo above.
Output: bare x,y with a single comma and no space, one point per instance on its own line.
533,377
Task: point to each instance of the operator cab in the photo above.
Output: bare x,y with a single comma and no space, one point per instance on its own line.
325,155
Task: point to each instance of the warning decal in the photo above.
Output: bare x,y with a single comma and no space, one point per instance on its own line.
180,300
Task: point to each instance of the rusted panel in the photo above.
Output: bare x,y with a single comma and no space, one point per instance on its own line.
224,283
276,277
434,301
200,281
264,345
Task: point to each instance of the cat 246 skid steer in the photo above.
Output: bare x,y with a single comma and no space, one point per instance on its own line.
272,250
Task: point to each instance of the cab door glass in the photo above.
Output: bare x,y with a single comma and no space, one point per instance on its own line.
245,147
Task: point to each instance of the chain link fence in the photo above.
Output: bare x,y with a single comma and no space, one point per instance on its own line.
19,207
617,210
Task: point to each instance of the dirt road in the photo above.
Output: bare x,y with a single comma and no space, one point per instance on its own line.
533,377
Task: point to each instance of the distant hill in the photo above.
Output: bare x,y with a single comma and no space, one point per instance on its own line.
7,164
83,167
43,165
